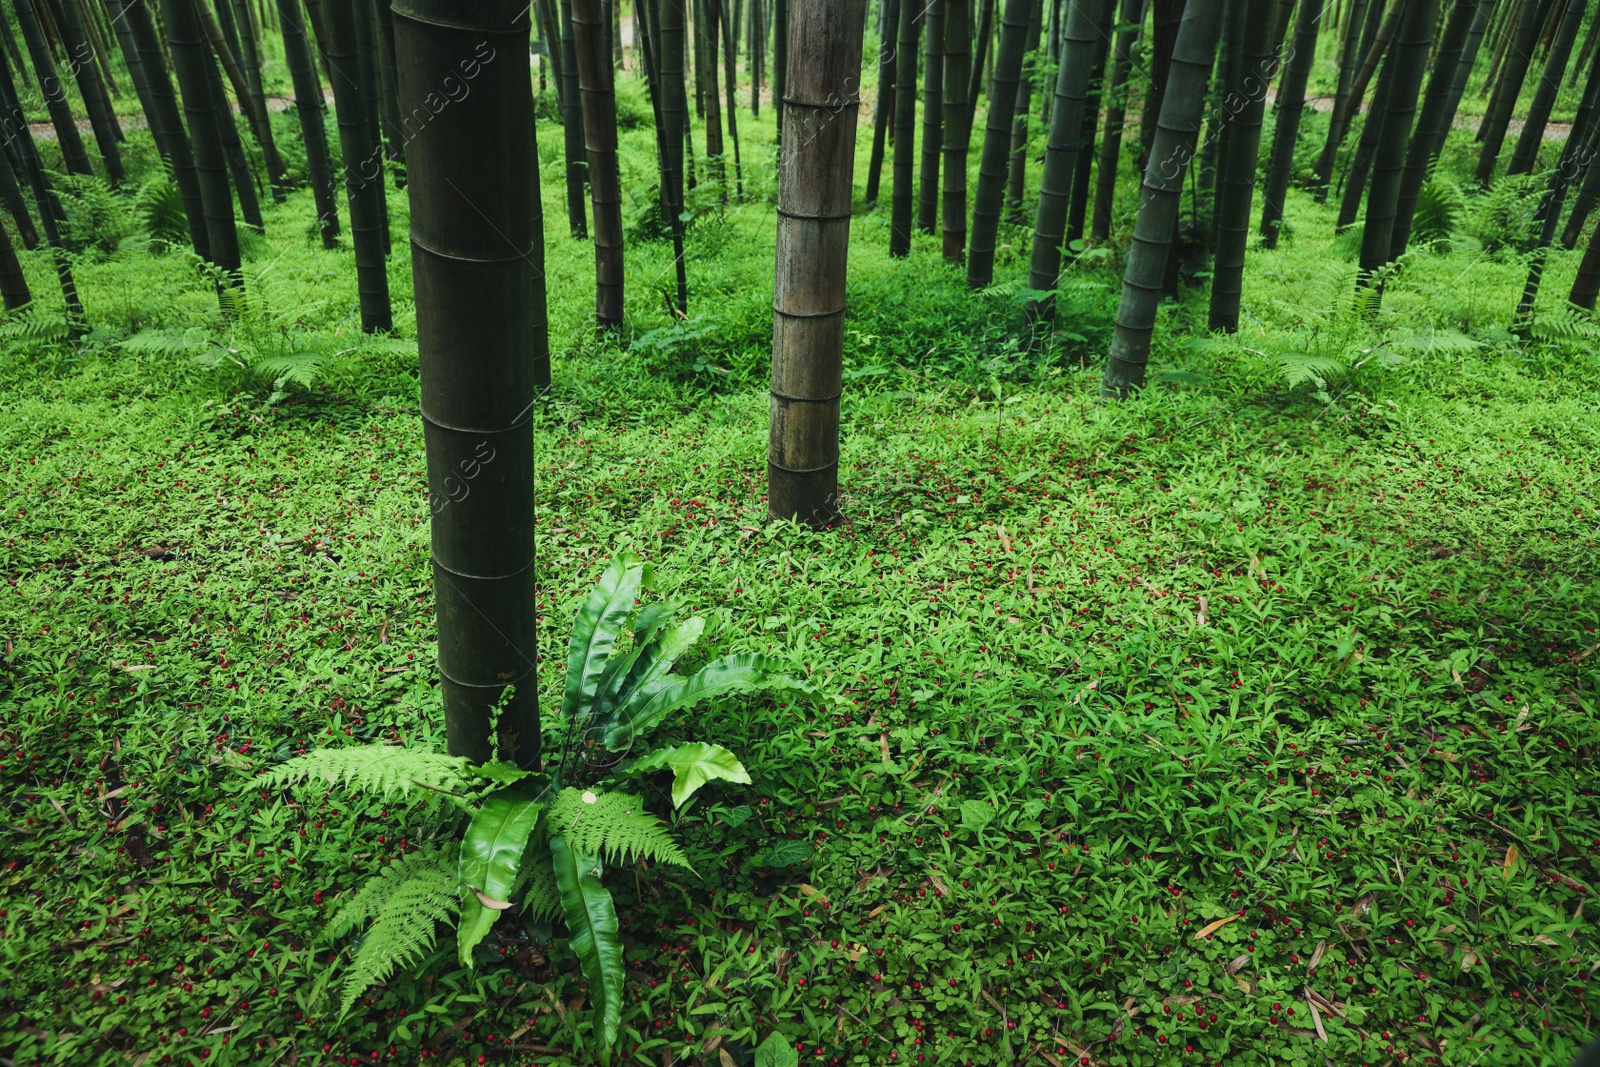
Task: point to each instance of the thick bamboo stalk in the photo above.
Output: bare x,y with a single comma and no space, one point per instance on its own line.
1339,122
1512,74
1383,199
997,142
243,179
1116,111
190,58
1291,105
1193,53
250,61
16,204
478,269
1562,175
1061,148
311,110
957,73
13,286
1433,121
141,86
883,107
1083,167
675,113
102,116
166,122
363,170
1017,169
905,131
814,172
1469,56
317,19
1245,100
600,141
932,115
50,214
730,40
394,140
572,128
780,59
73,153
1526,151
1355,179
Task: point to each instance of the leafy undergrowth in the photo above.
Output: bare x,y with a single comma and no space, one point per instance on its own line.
1232,724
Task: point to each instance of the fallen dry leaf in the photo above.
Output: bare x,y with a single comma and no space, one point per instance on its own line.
1215,925
1510,860
1239,961
1316,957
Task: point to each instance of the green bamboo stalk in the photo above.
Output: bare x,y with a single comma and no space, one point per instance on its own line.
478,270
311,110
997,142
363,174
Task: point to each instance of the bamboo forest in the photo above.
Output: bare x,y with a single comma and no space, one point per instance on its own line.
784,533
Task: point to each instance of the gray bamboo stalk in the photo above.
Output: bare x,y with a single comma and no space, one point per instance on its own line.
997,142
932,115
957,138
675,113
1469,56
1245,100
1388,163
250,61
1355,179
16,204
394,140
102,116
13,285
190,57
1061,147
363,174
1526,151
1512,74
166,122
883,106
1291,104
600,141
902,195
1174,146
1433,121
1105,190
73,153
780,59
1567,167
477,264
814,185
1340,121
730,66
572,128
311,111
1017,174
50,214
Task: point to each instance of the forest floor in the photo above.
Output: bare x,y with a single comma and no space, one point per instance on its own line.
1250,720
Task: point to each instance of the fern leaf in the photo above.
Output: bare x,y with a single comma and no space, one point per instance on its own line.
387,770
541,897
612,825
406,908
366,902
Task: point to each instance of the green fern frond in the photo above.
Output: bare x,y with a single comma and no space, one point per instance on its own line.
541,897
36,324
1299,369
384,770
613,825
1563,322
368,901
299,368
190,342
406,901
1439,207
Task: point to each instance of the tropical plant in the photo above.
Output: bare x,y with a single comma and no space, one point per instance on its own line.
540,840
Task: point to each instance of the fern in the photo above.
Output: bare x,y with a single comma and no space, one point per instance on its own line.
191,342
612,825
161,210
1563,323
384,770
1299,368
541,897
1439,208
405,901
34,324
1503,214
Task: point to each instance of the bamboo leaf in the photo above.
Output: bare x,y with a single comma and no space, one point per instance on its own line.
592,934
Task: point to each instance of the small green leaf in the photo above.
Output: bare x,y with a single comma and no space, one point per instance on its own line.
737,817
498,771
693,765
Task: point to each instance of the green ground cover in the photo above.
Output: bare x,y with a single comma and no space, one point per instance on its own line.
1250,720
